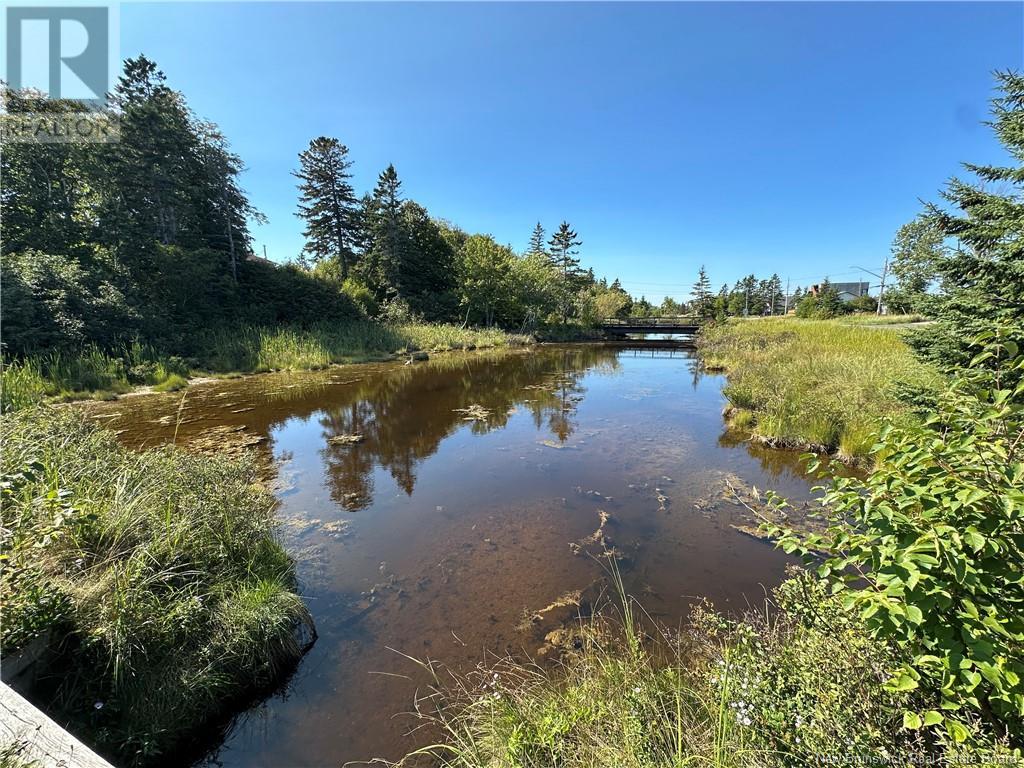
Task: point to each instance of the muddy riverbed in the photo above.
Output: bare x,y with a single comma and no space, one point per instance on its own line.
436,509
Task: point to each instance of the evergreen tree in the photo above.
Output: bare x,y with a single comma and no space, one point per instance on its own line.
702,300
147,195
327,203
983,277
536,245
774,296
387,243
564,257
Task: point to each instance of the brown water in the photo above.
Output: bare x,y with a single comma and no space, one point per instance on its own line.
439,532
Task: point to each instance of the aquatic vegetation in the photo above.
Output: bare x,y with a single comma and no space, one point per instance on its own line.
155,577
759,691
823,384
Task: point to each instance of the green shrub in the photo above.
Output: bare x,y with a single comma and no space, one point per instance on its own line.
929,551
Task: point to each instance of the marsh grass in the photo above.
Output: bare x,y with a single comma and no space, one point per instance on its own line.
869,319
291,348
156,576
92,372
820,384
778,688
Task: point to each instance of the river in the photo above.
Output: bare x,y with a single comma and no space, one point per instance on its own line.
467,503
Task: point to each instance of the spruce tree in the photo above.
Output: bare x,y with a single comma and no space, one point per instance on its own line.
564,257
983,276
386,241
701,293
536,246
327,203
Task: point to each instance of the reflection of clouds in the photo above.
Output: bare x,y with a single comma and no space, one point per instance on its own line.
403,414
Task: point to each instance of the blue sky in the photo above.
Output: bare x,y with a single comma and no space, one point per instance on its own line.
750,137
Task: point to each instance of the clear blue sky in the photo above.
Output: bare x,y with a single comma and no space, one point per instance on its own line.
788,137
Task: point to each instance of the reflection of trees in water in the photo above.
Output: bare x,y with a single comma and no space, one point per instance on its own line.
405,414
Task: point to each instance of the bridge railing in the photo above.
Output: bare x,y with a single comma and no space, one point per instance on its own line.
667,322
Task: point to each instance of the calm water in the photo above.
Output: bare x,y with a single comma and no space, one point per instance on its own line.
440,531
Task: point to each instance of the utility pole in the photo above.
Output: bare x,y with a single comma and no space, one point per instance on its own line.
785,309
881,287
746,303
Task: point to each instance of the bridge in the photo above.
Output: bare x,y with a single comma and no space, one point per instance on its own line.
686,325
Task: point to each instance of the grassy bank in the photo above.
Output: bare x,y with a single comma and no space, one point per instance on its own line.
758,692
247,349
825,384
152,579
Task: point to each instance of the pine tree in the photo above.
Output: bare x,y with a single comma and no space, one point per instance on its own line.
702,301
983,277
327,203
564,257
536,245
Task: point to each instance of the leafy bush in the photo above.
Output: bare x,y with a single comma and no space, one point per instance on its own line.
929,550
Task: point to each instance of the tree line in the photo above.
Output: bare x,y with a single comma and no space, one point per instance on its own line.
395,261
149,239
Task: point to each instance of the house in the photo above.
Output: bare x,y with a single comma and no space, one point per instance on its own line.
846,291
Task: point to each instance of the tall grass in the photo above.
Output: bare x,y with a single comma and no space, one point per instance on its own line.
92,371
292,348
869,319
155,576
776,689
823,384
89,371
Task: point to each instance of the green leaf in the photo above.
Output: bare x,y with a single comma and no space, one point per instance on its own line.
911,720
931,717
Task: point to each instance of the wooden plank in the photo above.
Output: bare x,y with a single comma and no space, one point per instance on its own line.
35,737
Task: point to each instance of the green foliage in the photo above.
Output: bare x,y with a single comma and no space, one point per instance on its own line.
810,680
929,549
917,249
761,692
820,383
863,304
158,572
983,277
823,305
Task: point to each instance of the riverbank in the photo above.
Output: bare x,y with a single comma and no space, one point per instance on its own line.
94,373
149,585
728,693
822,385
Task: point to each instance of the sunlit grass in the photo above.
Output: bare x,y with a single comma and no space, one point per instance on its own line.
776,689
824,384
155,576
289,348
92,372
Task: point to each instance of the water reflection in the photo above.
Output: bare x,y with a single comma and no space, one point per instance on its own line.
380,410
455,511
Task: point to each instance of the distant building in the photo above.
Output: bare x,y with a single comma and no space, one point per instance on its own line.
846,291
